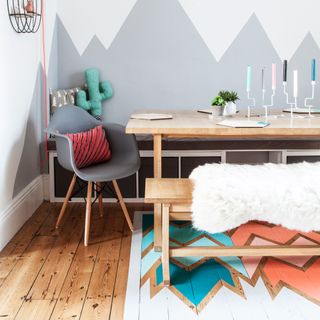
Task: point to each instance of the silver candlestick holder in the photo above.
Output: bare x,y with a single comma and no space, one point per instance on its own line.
293,105
250,105
309,106
267,106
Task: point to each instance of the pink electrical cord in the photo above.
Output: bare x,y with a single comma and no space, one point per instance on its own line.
45,83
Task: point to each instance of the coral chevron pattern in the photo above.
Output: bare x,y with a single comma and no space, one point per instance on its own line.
197,280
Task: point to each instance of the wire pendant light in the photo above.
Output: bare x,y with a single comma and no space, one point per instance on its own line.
25,15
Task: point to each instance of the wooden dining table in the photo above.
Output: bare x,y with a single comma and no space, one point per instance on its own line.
193,124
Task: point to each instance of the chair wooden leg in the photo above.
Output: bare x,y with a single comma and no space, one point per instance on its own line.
122,204
88,214
100,199
66,200
165,245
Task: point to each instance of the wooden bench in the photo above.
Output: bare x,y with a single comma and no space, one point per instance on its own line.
175,198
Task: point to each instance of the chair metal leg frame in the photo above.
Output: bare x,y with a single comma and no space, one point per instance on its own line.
66,200
99,187
165,244
88,214
122,204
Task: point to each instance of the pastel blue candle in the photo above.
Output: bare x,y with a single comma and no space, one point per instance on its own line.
248,78
313,70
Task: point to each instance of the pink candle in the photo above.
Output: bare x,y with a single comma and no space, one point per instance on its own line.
274,76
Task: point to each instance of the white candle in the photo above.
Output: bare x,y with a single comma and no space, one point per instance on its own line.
274,76
295,83
248,78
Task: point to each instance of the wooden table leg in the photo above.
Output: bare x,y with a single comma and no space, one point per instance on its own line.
157,155
157,164
165,245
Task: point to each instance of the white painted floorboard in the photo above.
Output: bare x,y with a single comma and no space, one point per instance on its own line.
225,305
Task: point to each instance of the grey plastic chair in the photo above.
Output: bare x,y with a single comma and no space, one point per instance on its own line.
125,159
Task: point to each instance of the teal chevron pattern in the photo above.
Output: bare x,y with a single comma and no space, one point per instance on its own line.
193,279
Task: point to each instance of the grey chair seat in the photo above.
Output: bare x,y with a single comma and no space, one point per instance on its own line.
119,166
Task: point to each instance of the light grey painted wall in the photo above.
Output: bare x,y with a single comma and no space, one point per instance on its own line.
158,60
31,159
53,59
251,47
301,61
151,63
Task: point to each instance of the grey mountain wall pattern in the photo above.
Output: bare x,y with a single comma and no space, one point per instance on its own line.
158,60
30,162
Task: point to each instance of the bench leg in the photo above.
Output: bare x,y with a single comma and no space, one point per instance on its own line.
157,167
157,227
165,245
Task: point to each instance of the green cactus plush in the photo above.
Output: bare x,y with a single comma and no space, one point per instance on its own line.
98,92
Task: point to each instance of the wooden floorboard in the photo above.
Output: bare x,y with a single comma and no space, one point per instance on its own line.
53,273
119,292
10,255
36,309
48,274
73,293
17,285
100,292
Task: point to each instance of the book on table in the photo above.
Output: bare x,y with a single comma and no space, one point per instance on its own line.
243,123
151,116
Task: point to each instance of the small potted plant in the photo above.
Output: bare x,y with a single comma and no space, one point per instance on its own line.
230,98
217,106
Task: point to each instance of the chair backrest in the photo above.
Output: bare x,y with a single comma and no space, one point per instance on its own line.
69,119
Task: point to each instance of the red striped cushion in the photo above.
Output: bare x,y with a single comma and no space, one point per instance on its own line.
90,147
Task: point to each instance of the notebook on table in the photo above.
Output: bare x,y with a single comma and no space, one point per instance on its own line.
243,123
151,116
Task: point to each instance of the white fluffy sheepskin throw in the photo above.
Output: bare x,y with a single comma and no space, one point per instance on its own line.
228,195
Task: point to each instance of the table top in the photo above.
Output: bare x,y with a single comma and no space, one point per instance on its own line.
195,124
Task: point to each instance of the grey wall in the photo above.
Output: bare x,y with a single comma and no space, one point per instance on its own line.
32,159
158,60
53,60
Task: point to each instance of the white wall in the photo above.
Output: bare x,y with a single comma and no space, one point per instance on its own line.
108,17
286,22
20,57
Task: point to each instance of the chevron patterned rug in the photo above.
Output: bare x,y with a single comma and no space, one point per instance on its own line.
224,288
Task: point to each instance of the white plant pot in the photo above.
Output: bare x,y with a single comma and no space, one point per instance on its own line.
230,109
217,111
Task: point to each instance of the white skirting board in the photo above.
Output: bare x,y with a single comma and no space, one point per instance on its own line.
46,187
20,210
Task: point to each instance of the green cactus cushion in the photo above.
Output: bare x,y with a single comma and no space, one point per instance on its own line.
97,92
